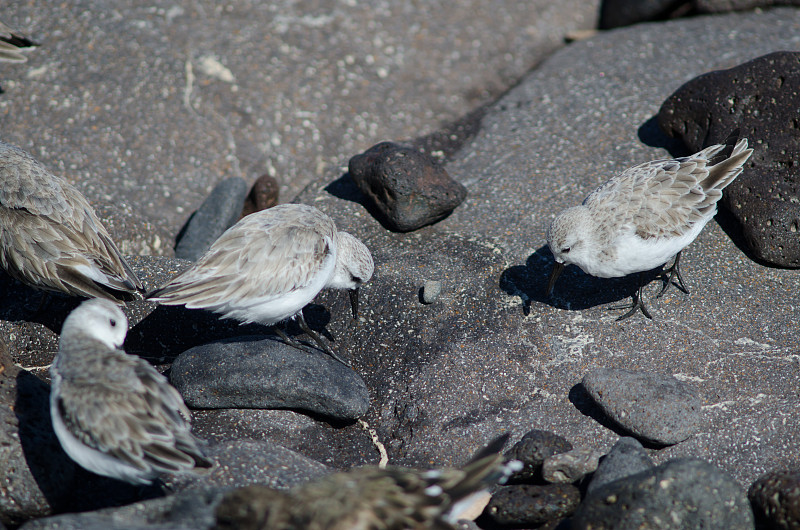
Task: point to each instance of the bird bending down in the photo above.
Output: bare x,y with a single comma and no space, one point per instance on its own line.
270,265
370,498
641,218
113,413
50,237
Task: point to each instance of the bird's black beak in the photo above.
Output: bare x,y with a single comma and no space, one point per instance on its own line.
557,268
354,302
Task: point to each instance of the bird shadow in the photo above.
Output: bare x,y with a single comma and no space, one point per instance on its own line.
18,303
587,406
66,486
575,290
168,331
651,134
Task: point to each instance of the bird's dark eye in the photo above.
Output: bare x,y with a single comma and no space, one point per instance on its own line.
113,323
565,250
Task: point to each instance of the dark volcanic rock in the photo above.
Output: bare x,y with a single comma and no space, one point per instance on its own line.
626,458
266,373
409,189
526,504
532,450
759,97
616,13
653,407
263,195
221,209
683,493
775,498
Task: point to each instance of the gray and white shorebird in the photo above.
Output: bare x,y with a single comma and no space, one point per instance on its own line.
11,44
113,413
371,498
641,218
51,238
270,265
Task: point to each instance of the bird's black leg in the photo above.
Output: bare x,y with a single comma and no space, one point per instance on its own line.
635,304
671,273
314,335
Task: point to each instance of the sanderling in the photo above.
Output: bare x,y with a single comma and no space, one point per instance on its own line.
269,265
11,41
50,237
641,218
113,413
371,497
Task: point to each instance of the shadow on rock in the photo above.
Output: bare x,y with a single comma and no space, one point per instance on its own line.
18,302
345,188
582,401
574,290
168,331
651,134
65,485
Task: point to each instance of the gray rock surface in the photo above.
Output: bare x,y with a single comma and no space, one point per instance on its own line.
722,6
153,104
653,407
221,209
243,462
682,493
527,504
493,355
752,97
627,457
497,354
252,372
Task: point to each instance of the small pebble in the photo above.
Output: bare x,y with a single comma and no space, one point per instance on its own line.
431,291
263,195
570,466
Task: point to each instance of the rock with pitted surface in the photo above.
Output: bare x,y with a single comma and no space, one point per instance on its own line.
626,458
406,186
682,493
528,504
571,466
532,450
753,97
775,497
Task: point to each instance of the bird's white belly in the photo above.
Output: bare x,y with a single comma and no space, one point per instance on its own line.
634,254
